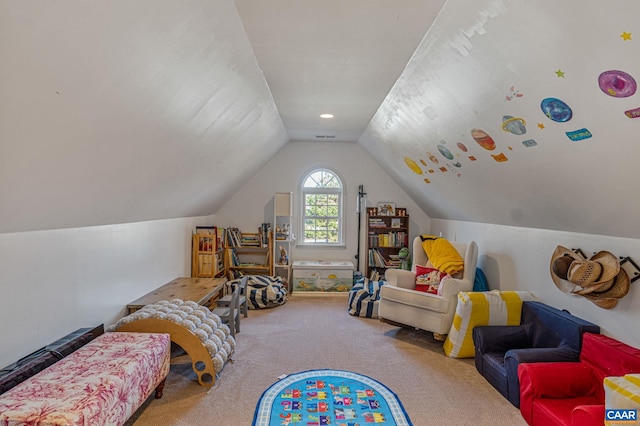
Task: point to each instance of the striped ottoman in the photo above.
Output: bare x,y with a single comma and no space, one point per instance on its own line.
364,298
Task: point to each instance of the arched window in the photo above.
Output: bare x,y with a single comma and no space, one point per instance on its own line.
322,200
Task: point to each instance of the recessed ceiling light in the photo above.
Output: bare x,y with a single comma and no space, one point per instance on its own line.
326,115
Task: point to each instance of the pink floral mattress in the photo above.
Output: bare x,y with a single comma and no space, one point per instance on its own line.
102,383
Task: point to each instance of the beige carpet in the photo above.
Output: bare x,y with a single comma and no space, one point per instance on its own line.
311,332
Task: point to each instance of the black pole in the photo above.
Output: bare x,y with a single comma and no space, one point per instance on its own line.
359,207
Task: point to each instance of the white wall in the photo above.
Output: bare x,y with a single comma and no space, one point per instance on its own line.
54,282
515,258
253,204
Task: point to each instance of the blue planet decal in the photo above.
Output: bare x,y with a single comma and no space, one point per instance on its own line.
445,152
556,110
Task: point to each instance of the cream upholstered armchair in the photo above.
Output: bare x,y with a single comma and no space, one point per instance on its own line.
401,303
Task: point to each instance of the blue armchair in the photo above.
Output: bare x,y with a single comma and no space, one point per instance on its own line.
545,334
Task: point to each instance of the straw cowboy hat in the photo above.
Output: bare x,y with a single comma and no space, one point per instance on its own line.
609,299
599,278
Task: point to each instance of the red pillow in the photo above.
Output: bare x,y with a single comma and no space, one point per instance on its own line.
428,279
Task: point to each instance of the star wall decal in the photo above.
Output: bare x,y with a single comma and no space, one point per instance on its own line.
560,74
625,36
540,125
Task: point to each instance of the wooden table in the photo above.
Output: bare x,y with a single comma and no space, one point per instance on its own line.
203,291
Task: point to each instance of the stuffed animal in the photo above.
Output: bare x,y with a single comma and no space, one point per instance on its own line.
405,257
284,259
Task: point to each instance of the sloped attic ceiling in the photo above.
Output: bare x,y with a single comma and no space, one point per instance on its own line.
123,111
126,111
520,113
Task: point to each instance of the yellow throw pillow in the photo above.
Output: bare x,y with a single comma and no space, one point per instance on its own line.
493,307
622,393
442,255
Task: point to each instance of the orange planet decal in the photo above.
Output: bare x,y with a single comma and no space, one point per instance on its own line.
500,158
413,165
483,139
424,163
432,157
443,169
426,180
472,158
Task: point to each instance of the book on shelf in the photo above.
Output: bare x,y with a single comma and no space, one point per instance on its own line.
220,239
388,239
234,261
234,237
378,260
264,234
220,265
250,240
376,222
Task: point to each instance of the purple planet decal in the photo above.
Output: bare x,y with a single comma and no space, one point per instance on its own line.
618,84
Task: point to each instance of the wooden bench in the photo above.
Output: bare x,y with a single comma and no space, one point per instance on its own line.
103,382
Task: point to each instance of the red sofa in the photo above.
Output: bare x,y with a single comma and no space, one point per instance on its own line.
572,393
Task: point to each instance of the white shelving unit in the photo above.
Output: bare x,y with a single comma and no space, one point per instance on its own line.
283,236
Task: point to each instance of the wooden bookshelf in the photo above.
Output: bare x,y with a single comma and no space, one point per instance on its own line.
386,235
207,256
252,256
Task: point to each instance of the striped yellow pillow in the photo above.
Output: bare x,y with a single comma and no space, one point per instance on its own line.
622,393
493,307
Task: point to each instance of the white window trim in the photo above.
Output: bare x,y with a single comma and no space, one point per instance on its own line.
341,219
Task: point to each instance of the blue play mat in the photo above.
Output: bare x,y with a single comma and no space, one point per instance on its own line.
329,397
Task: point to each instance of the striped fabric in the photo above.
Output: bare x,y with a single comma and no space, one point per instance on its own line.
263,291
363,298
622,393
493,307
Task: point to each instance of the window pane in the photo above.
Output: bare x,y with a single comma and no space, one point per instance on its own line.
321,222
332,211
322,179
330,181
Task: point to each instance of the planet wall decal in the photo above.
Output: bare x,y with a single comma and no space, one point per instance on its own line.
413,165
432,157
556,110
483,139
445,152
514,125
618,84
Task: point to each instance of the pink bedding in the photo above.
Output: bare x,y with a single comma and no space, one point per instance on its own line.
102,383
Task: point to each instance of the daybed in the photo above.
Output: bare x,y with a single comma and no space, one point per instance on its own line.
102,383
